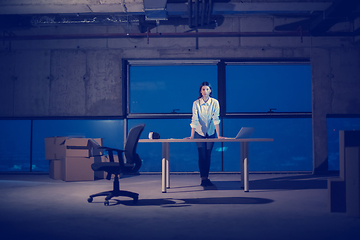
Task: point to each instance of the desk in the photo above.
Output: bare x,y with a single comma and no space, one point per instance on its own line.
244,156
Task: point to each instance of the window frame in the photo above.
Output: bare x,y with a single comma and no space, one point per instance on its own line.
160,62
221,81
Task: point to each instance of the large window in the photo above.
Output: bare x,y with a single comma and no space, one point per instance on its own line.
291,149
22,143
168,89
250,88
275,98
15,145
111,131
259,88
183,156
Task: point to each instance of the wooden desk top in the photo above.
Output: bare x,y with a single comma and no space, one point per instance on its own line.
207,140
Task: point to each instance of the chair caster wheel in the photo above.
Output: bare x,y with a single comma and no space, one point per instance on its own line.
106,203
90,199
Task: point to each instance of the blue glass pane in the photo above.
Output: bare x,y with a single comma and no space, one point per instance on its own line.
162,89
291,149
15,145
112,132
259,88
183,156
334,125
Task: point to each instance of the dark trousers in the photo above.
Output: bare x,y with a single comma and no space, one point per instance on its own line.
204,149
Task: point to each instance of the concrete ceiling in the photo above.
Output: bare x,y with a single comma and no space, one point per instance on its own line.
170,7
318,15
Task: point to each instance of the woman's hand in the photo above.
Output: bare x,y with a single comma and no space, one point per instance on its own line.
220,137
192,134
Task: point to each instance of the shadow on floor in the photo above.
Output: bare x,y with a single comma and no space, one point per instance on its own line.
187,202
282,183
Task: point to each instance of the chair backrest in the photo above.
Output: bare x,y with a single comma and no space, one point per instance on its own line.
131,143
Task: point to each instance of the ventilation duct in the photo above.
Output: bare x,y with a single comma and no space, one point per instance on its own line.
51,20
155,10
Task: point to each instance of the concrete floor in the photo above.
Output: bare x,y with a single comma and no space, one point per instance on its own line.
278,206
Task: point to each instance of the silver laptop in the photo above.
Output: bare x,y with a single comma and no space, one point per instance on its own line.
245,132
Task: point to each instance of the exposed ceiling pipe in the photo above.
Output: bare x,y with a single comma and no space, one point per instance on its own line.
210,7
171,35
190,12
203,12
38,21
199,13
196,13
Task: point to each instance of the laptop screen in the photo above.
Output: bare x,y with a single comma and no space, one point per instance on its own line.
245,132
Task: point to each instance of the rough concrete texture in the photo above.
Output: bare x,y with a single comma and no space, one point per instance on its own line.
345,82
31,88
7,83
103,83
83,77
277,207
67,86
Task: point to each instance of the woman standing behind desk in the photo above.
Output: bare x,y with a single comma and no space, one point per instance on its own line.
205,124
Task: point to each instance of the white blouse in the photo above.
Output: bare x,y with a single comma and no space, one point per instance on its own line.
205,115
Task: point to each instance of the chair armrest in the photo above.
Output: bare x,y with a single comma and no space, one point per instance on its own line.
112,149
111,154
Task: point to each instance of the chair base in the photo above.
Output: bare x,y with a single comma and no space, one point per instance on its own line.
111,194
116,192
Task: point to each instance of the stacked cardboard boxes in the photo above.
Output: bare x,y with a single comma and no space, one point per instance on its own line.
52,153
70,159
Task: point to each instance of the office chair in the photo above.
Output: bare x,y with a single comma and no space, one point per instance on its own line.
132,165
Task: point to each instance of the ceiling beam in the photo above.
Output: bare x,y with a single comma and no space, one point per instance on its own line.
239,8
71,6
138,7
339,11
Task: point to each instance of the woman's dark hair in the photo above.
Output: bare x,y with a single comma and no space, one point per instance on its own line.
204,84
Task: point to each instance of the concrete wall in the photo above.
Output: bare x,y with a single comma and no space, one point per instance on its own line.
60,83
83,77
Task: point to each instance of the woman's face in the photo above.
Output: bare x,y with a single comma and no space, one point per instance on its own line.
205,91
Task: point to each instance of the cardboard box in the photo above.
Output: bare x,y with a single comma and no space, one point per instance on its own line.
61,147
78,147
99,174
55,169
79,169
94,145
52,147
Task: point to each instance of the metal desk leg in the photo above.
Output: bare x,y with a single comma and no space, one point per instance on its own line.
244,152
167,166
246,175
242,163
165,176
